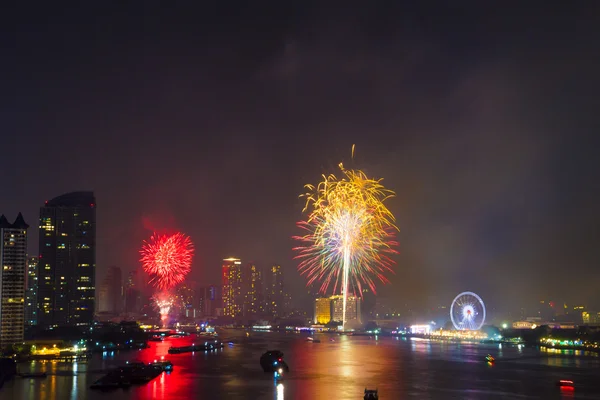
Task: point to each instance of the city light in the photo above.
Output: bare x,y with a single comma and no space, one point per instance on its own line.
420,329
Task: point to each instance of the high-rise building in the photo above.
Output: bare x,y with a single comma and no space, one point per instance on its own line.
13,258
252,289
352,308
133,295
210,301
275,295
110,292
322,310
31,292
328,309
233,293
67,267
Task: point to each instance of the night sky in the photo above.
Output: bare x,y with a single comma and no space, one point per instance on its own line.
210,119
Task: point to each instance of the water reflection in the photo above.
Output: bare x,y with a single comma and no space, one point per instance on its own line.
279,391
74,384
339,369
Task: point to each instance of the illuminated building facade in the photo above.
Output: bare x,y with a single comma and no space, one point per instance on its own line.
13,258
252,290
31,292
233,294
67,267
322,310
590,317
328,309
110,292
352,308
276,299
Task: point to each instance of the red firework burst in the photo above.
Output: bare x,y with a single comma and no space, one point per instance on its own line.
167,259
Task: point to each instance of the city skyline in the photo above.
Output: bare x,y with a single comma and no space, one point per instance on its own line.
209,123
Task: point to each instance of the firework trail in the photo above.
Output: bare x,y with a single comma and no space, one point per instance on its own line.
167,259
350,233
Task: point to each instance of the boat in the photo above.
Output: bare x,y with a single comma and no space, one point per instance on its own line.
212,345
34,375
371,394
272,361
566,384
164,365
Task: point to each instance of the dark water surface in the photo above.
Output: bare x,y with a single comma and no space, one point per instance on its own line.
399,368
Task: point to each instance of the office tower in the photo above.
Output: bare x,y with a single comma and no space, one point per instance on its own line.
252,289
275,294
330,309
67,267
187,300
352,308
31,292
13,258
210,301
233,296
133,295
110,292
322,310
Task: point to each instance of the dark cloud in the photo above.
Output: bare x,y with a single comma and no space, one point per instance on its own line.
210,121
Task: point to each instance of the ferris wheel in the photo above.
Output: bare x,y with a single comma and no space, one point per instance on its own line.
467,312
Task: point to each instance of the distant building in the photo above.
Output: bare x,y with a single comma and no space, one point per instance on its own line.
110,292
188,299
352,308
210,301
233,294
242,289
67,267
132,294
13,258
322,310
275,294
590,317
252,290
31,292
525,324
329,309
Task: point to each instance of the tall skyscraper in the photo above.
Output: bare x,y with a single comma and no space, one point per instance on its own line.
31,292
322,310
110,292
67,267
252,288
329,309
352,308
275,295
133,295
13,258
233,295
210,301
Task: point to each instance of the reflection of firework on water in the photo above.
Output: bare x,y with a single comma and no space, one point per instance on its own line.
350,233
167,259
